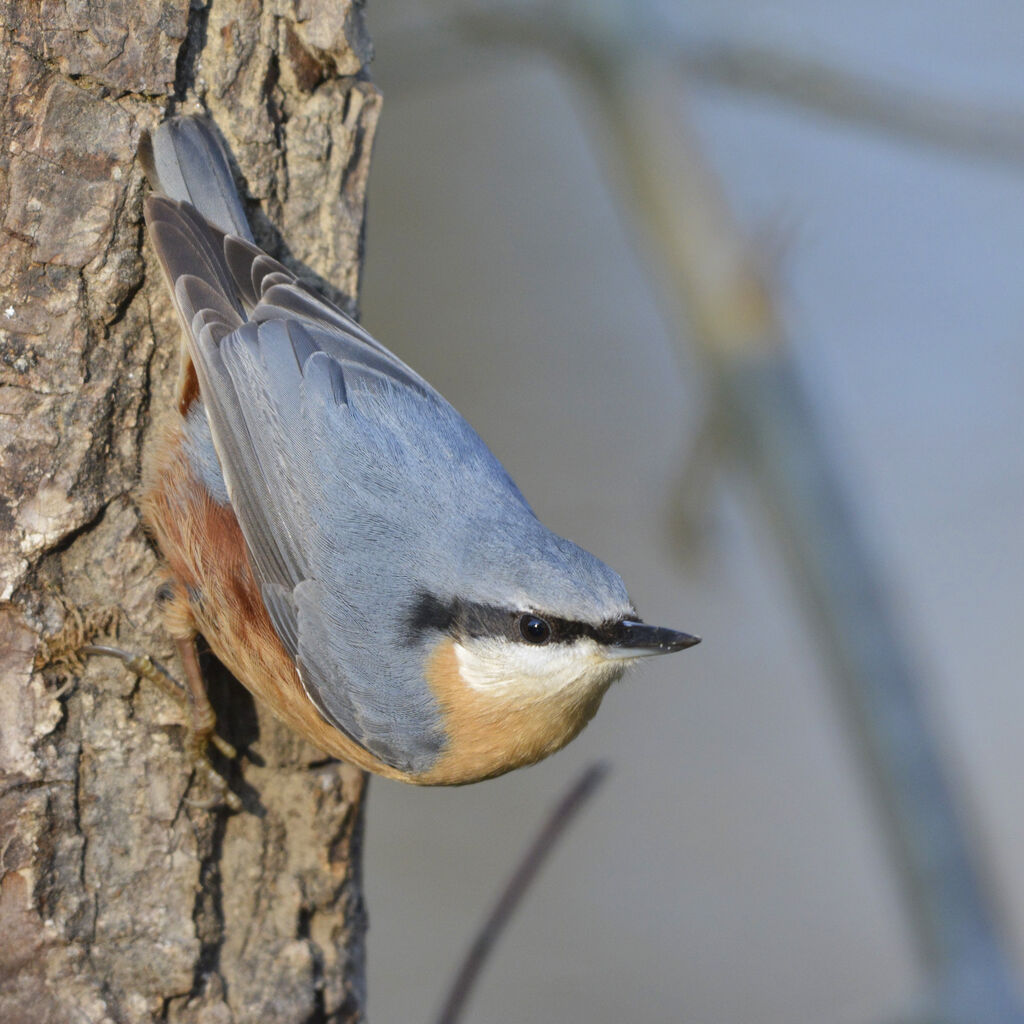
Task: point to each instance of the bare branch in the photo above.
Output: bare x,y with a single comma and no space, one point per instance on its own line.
539,851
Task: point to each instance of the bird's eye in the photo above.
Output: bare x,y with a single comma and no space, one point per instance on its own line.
534,629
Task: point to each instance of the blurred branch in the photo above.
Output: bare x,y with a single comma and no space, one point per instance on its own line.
634,70
436,51
716,286
561,817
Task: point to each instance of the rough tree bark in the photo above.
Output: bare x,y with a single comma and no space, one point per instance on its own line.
120,898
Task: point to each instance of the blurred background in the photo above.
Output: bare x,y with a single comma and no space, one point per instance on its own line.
601,229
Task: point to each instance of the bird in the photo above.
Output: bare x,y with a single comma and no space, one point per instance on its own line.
340,536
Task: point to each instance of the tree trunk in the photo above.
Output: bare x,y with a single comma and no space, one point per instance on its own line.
121,898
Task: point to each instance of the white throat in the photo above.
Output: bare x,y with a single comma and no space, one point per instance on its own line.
500,666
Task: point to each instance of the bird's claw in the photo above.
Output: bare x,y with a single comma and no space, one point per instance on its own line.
201,728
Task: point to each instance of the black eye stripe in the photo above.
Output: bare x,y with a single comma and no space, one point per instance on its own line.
429,613
469,619
564,631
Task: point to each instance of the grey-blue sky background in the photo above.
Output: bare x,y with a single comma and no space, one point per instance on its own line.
732,870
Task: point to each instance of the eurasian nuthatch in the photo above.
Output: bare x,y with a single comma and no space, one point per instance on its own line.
339,534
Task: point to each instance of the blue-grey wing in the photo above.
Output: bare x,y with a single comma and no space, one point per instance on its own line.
308,471
306,463
304,471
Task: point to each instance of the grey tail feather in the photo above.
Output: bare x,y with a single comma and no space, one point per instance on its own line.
185,159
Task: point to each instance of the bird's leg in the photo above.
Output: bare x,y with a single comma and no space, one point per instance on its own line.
202,730
203,720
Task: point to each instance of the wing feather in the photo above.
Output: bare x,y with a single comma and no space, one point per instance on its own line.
276,366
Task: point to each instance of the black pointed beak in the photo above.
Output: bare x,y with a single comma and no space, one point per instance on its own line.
628,639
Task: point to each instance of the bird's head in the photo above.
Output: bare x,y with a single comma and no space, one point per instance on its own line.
521,650
536,614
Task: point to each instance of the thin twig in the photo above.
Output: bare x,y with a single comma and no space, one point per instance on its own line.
540,849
